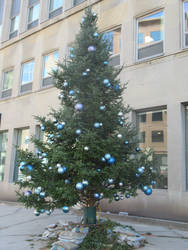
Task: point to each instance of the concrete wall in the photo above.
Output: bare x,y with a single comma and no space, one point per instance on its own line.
156,82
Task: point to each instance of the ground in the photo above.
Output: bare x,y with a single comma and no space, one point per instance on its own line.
20,229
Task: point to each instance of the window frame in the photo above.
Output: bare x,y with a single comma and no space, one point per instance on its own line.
36,20
184,33
3,78
137,18
54,10
15,31
22,65
74,5
2,132
2,84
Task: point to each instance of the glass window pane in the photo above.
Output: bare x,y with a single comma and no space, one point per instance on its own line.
186,15
157,116
114,40
14,24
186,143
78,1
3,148
34,13
55,4
27,72
50,63
153,135
22,143
150,34
8,80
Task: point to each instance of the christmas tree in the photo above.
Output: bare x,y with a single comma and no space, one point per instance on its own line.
91,151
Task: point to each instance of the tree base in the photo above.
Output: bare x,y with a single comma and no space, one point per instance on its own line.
90,215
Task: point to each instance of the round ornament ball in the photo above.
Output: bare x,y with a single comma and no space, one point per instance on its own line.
140,170
108,85
97,125
67,181
137,149
79,106
58,165
42,127
60,95
42,194
137,175
82,20
96,34
85,183
121,184
86,148
105,63
61,170
22,163
145,188
87,70
71,92
120,113
91,48
107,156
28,178
102,108
21,168
37,191
103,159
78,131
28,193
96,195
98,170
30,168
106,81
117,198
111,160
65,209
60,126
36,213
65,84
153,182
44,154
110,181
119,136
84,73
42,211
148,191
126,142
127,195
48,212
79,186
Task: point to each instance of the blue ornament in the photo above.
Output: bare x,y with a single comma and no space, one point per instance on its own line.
107,156
110,181
116,87
108,85
153,182
65,209
91,48
60,126
72,55
67,181
111,160
97,125
82,20
96,196
115,194
42,127
106,81
79,106
84,73
78,131
145,188
121,184
148,191
36,213
138,149
96,34
21,168
42,194
141,170
94,14
71,92
65,84
42,210
48,212
61,170
102,108
85,183
103,159
98,170
44,154
105,63
30,167
117,198
79,186
65,168
127,195
137,175
28,193
22,163
126,142
121,123
37,191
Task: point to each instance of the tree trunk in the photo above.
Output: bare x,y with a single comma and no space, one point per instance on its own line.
90,215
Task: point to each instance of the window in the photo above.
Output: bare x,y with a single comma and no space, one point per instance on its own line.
49,64
153,136
7,83
27,76
186,143
157,116
114,45
157,136
1,14
3,148
76,2
55,8
34,10
14,18
22,142
185,23
150,35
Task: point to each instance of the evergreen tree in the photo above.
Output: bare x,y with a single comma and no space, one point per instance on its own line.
91,151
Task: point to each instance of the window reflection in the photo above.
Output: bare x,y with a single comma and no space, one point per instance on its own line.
152,127
3,147
50,63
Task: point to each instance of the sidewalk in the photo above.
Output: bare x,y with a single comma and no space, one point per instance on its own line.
20,229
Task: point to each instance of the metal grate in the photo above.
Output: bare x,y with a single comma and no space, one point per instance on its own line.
33,24
13,34
114,60
151,50
55,12
48,82
6,93
26,87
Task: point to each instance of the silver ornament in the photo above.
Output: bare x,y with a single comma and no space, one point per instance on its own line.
119,136
86,148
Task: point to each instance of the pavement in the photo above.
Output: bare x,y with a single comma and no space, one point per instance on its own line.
20,229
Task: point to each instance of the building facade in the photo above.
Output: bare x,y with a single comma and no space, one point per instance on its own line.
150,40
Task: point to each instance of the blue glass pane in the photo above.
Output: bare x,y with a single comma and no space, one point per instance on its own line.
186,16
156,35
109,36
56,56
27,74
140,38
